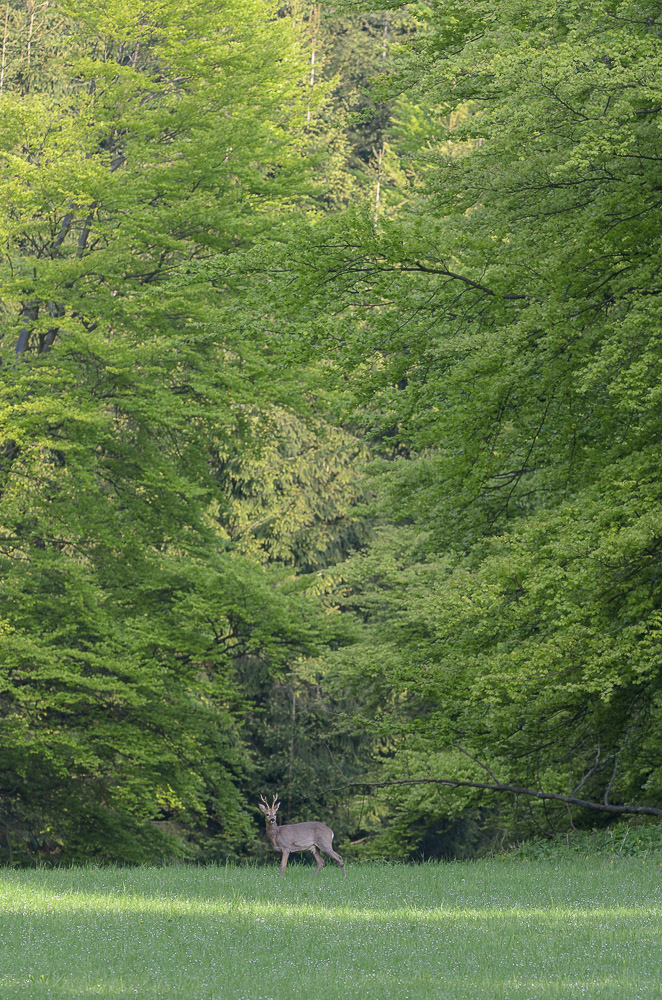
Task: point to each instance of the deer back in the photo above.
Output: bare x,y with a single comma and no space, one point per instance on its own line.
304,836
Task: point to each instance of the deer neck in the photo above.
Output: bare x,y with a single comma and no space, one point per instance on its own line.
272,833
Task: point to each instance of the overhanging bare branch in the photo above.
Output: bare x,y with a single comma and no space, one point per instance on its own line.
512,790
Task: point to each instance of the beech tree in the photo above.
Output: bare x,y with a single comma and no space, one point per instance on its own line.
328,421
148,138
501,332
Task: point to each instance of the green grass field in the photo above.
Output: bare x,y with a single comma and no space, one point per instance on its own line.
489,930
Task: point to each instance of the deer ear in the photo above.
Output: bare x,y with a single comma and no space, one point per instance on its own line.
277,807
261,807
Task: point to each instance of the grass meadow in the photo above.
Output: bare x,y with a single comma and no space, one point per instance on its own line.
488,930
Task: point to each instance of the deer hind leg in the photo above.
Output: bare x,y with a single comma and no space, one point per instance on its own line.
318,858
336,857
283,861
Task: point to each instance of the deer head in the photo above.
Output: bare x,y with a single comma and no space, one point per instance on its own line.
269,810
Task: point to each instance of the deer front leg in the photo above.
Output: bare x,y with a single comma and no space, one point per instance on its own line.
283,861
319,859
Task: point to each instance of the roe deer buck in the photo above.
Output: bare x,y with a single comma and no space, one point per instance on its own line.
313,837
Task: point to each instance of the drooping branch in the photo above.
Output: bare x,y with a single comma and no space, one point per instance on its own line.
512,790
417,265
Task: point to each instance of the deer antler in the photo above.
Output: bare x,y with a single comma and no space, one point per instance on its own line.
275,800
262,799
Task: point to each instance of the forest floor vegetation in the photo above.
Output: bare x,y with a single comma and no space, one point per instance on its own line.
537,929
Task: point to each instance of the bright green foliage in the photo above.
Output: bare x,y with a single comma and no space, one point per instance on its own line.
151,137
505,330
623,840
245,247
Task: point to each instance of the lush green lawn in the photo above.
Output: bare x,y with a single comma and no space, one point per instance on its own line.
483,931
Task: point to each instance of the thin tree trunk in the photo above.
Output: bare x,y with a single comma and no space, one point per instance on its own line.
315,18
30,313
4,48
380,156
85,232
290,770
9,843
31,9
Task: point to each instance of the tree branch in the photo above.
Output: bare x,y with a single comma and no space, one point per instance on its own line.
512,789
65,226
418,266
30,312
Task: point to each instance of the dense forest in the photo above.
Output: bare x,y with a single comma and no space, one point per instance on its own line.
330,423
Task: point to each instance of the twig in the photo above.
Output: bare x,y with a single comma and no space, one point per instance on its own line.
475,759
